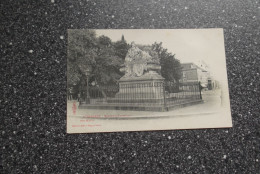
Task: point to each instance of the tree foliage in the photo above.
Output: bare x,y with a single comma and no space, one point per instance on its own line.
170,66
97,57
100,59
121,48
82,46
107,65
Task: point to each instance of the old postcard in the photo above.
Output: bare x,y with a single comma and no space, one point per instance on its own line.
146,79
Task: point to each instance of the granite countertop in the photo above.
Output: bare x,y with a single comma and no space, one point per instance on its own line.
33,82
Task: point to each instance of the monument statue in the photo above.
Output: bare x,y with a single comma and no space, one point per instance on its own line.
138,63
141,82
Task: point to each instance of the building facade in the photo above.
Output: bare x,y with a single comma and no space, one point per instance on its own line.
193,73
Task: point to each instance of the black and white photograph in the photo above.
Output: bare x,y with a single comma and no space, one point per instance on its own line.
146,79
109,86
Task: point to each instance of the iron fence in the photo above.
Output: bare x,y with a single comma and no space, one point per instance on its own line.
142,94
182,92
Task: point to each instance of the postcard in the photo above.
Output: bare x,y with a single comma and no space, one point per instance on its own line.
146,80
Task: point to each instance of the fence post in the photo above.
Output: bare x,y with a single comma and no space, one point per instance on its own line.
200,88
164,98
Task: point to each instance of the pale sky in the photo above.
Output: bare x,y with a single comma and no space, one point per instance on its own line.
189,45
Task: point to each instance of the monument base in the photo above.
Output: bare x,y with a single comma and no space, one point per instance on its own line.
145,89
140,107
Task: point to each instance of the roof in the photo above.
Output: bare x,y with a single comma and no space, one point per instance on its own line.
196,66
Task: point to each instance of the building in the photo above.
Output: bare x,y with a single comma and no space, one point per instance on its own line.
194,73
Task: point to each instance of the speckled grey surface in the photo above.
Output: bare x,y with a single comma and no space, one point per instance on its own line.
33,90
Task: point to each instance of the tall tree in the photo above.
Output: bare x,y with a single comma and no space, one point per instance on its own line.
107,63
121,48
92,56
82,51
170,66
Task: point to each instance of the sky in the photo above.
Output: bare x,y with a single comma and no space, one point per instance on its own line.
188,45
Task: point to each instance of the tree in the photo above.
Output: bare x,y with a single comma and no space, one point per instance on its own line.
121,48
104,41
93,57
82,46
107,63
170,66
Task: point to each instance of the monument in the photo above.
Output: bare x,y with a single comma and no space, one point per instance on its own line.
141,82
142,88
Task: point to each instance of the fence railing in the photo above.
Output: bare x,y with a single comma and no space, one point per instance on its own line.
182,92
143,93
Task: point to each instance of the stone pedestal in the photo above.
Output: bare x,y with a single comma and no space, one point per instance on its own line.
145,89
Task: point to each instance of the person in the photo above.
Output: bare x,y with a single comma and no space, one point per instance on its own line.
78,96
200,88
70,93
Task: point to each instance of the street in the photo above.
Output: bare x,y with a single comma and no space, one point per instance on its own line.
209,114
